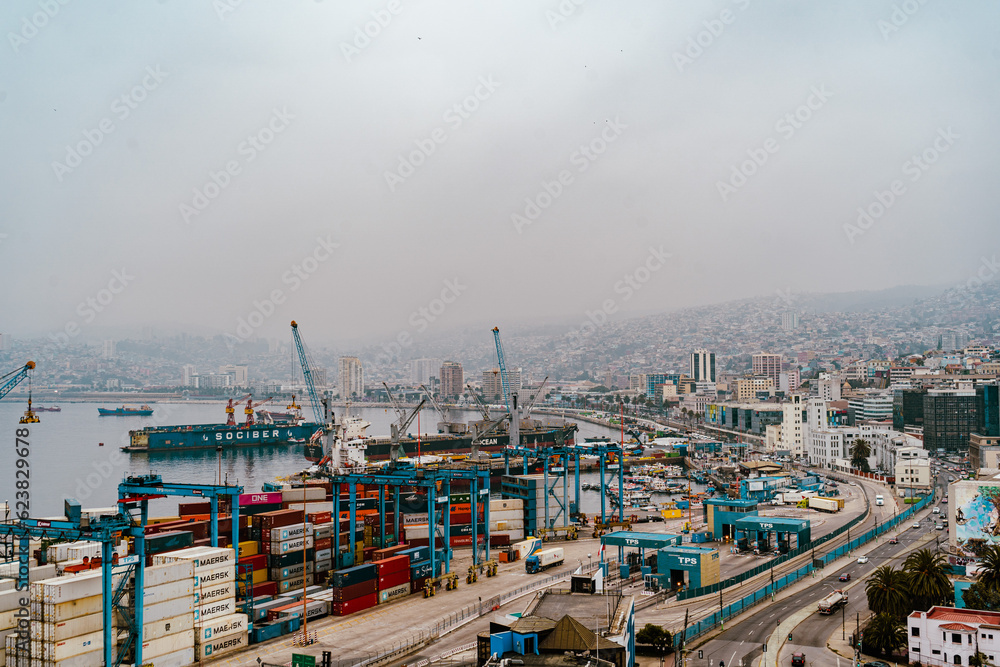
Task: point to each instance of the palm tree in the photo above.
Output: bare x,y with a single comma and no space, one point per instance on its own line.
989,563
928,583
885,634
860,451
887,592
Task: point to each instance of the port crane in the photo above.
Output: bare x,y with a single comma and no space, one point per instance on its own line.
11,380
484,409
403,421
248,410
317,406
231,409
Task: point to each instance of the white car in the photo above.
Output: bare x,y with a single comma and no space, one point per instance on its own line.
916,524
862,559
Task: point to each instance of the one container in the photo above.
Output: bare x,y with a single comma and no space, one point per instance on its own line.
168,626
394,593
221,626
221,646
215,610
353,575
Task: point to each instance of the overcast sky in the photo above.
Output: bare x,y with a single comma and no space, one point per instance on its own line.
186,157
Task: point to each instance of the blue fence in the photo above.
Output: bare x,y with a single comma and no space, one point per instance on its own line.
711,621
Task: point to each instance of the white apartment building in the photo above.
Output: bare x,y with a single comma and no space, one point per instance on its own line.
827,444
913,470
352,377
792,428
828,387
950,636
872,406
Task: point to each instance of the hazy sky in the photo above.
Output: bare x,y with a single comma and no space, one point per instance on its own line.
181,163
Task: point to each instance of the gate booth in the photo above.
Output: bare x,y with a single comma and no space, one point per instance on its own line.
637,544
753,533
681,567
721,515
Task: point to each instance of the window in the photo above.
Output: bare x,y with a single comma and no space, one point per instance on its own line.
914,631
935,652
958,660
956,638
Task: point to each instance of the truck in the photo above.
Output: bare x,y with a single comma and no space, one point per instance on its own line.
825,504
522,550
832,602
879,500
541,560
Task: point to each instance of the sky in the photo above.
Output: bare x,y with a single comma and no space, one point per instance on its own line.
387,168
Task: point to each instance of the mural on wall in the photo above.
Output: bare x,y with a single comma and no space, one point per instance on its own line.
977,515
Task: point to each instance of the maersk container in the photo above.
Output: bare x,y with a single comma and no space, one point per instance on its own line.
203,596
168,591
167,645
324,554
204,558
324,565
296,583
280,574
290,532
64,611
168,609
158,575
323,530
221,646
215,610
260,610
209,578
168,626
394,593
218,627
72,646
288,546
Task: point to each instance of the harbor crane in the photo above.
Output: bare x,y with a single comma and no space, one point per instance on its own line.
11,380
484,409
248,410
231,409
403,421
317,406
502,361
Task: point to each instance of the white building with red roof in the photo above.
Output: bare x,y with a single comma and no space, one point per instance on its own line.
950,636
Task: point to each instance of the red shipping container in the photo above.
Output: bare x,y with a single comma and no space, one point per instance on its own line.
393,564
372,520
499,540
366,555
394,579
460,517
266,588
269,520
355,605
355,591
464,540
416,586
201,507
421,542
389,552
319,517
257,561
325,543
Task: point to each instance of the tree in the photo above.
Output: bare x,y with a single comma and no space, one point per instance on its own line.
887,592
657,637
929,585
885,634
978,596
989,563
860,451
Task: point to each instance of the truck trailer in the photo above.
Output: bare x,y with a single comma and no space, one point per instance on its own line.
832,602
544,559
825,504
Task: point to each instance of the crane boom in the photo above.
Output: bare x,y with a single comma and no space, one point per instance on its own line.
14,378
317,406
483,408
400,412
504,381
531,403
437,406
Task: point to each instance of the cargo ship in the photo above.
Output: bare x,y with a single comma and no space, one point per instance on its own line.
125,411
447,442
211,436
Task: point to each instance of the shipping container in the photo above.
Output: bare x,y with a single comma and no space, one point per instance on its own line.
268,521
354,574
53,632
164,610
179,658
309,493
325,554
288,546
221,575
209,594
346,607
394,593
248,548
158,575
167,645
168,541
168,591
284,533
223,645
63,589
273,498
204,558
67,648
194,508
215,610
64,611
320,517
281,574
294,583
221,626
323,530
324,565
167,626
360,589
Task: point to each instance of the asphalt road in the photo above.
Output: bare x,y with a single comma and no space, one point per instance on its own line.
745,640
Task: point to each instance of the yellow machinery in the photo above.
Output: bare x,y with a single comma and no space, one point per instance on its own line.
489,568
601,528
547,534
10,380
450,581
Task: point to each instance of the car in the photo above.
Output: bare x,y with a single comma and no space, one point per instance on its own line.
916,524
939,526
845,576
944,500
875,663
862,559
799,660
893,541
936,510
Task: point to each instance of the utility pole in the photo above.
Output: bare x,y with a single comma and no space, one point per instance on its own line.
720,606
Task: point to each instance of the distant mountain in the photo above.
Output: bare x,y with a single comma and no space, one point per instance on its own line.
861,301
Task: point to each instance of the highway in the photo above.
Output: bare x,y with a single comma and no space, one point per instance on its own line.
745,640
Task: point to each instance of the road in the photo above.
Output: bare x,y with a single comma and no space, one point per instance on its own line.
745,639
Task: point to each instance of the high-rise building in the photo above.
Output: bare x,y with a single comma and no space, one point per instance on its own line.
703,366
424,369
452,379
789,381
789,320
190,375
828,387
950,416
352,378
493,384
748,388
239,375
110,349
767,365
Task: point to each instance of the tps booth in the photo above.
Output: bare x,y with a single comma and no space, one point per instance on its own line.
754,533
721,515
687,567
637,545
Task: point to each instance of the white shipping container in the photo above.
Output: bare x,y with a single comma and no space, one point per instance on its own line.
292,584
394,593
222,646
168,626
506,515
86,550
10,600
283,533
203,596
312,493
163,610
324,554
415,519
501,504
59,552
81,625
324,565
323,530
222,575
180,658
92,659
291,545
63,611
215,610
67,648
168,572
219,627
8,620
504,526
168,644
72,587
204,558
169,591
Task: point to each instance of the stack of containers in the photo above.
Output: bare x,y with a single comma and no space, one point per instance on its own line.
261,531
168,606
323,530
530,489
10,600
215,614
506,521
67,622
393,578
420,565
284,547
354,589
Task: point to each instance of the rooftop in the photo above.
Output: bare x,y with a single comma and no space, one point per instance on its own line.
950,614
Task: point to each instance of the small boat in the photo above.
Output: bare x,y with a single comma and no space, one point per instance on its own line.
125,411
54,408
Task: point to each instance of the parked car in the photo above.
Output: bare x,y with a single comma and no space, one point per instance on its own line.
845,576
862,559
799,660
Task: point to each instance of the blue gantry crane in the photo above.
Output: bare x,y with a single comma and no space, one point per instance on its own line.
317,405
502,361
11,380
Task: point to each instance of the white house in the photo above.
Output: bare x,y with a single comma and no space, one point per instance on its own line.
950,636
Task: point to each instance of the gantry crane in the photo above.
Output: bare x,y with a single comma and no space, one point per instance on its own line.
11,380
231,409
403,421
